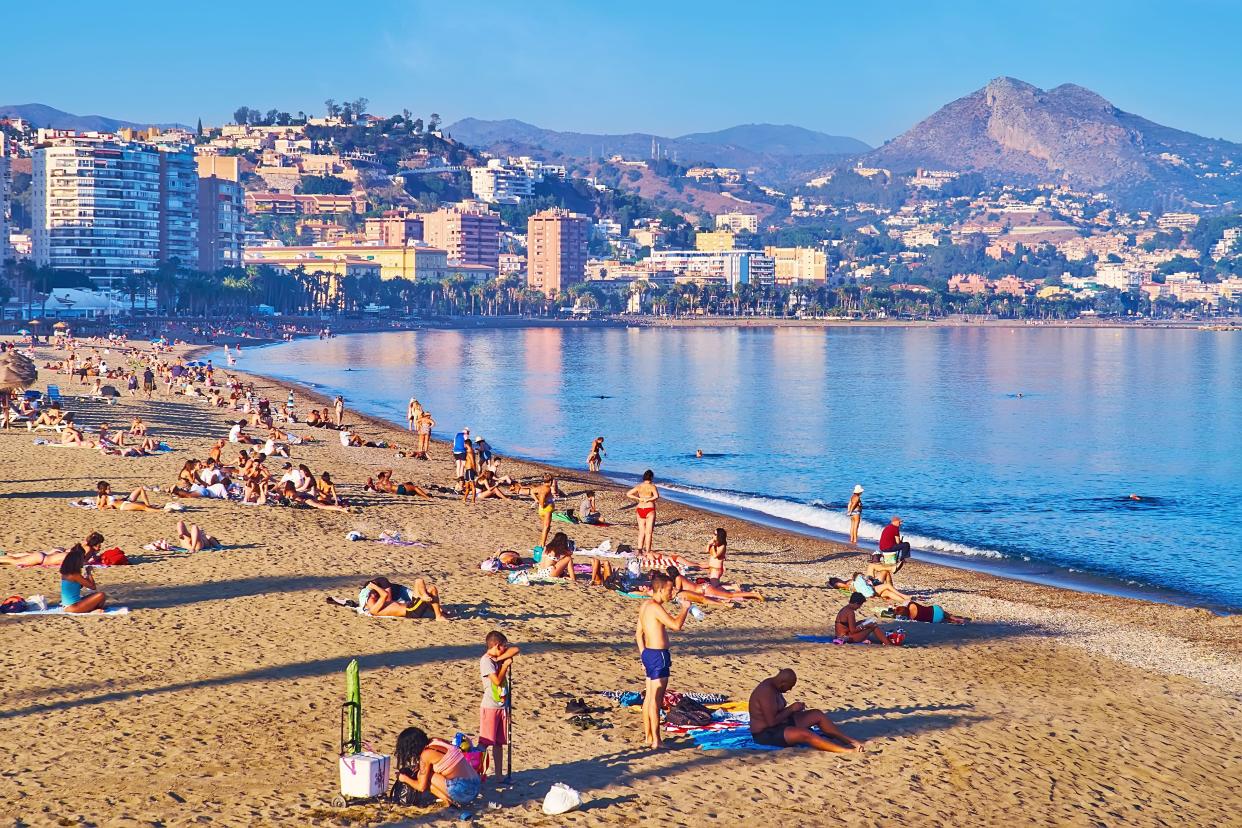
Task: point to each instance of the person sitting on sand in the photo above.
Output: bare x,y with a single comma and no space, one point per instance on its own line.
136,501
137,427
314,420
588,512
74,576
196,540
775,723
71,435
325,491
928,614
847,626
49,418
557,560
382,597
237,433
488,487
436,766
870,587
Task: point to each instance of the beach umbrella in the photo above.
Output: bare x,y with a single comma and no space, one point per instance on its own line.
109,391
198,363
16,371
59,326
353,703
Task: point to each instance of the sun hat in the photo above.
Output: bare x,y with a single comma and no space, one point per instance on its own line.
858,489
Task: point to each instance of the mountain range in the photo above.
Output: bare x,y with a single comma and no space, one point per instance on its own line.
745,146
42,115
1015,132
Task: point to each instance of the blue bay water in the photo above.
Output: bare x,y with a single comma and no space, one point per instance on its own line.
927,419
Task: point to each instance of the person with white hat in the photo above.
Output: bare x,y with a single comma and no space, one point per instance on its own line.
854,510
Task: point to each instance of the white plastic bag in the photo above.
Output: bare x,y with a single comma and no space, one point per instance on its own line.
36,602
561,799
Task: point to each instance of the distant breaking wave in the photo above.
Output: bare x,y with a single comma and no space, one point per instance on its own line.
821,517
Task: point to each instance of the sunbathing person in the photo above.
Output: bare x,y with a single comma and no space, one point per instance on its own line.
382,597
870,587
709,590
136,501
49,418
561,562
488,487
325,490
437,766
55,557
848,628
928,614
775,723
73,436
74,576
196,540
138,428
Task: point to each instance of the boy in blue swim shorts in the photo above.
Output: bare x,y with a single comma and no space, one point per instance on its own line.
654,622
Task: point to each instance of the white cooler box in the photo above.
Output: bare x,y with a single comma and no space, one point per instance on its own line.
364,775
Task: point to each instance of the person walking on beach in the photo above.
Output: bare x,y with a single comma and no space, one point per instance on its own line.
412,412
645,494
460,439
338,409
654,622
774,723
854,510
494,669
595,457
543,503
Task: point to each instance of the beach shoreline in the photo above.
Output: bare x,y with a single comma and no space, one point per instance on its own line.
218,696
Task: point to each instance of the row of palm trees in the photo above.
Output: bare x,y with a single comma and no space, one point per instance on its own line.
299,291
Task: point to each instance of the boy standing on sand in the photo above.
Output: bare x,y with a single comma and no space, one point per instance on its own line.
652,636
494,669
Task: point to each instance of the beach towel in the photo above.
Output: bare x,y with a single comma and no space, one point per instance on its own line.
59,610
737,738
819,639
83,503
394,539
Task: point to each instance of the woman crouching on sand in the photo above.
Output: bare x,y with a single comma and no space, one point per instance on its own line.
437,766
74,575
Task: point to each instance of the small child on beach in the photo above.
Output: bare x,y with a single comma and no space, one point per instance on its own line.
494,669
652,636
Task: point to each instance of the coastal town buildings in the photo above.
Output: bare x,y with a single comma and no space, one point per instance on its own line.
798,264
95,206
556,249
413,261
221,213
738,222
179,206
394,228
717,240
727,267
510,180
4,204
470,232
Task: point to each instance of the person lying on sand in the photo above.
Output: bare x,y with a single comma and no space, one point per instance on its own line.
383,483
381,597
195,538
48,418
708,591
55,557
870,587
848,628
290,496
136,501
928,614
775,723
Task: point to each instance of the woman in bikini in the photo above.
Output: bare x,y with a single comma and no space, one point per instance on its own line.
382,597
74,576
708,590
425,424
557,560
595,457
853,510
196,540
716,551
137,501
55,557
645,494
928,614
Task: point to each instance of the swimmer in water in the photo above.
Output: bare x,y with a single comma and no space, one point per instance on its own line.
698,452
1135,497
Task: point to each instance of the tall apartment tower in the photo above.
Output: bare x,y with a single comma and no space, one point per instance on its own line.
95,206
178,207
221,225
469,232
4,204
556,250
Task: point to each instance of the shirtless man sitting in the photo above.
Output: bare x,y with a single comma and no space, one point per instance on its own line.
848,628
775,723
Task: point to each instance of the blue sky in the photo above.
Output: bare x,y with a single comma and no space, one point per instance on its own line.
870,70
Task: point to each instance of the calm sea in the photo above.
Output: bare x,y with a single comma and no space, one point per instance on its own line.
1001,448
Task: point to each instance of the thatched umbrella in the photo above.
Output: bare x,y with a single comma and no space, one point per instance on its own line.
16,372
61,326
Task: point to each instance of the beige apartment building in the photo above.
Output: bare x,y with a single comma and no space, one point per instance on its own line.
394,228
798,264
714,241
469,232
556,249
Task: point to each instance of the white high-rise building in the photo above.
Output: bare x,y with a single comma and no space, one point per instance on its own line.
110,208
728,267
4,205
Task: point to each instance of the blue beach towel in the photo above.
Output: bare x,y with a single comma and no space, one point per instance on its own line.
735,739
817,639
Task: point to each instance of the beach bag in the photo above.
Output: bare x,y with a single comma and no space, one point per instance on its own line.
13,604
688,713
561,799
113,557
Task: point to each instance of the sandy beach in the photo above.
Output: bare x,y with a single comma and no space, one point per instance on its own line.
216,699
